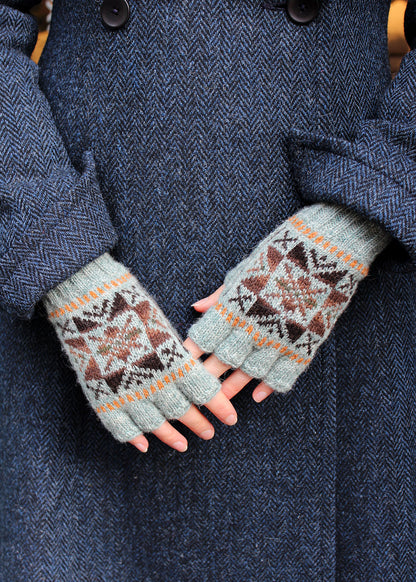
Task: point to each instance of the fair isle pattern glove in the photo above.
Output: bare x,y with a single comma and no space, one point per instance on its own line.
280,303
129,360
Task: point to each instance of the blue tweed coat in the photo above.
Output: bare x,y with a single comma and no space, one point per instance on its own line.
179,140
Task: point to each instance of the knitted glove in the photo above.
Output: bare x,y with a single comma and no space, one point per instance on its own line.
280,303
129,360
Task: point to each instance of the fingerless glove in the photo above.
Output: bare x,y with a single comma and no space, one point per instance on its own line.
129,360
281,302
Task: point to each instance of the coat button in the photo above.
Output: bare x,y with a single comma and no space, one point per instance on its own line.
302,11
114,13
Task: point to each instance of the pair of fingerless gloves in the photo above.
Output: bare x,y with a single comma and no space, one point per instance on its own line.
277,307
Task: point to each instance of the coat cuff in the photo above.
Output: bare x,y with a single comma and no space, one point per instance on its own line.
74,231
371,176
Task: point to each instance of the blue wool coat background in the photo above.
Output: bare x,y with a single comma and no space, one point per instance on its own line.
179,141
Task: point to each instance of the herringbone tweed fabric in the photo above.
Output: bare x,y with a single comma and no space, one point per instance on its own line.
281,303
53,219
129,360
187,113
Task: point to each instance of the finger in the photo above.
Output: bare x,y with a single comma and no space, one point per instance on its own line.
172,437
193,348
222,408
204,304
261,392
140,442
196,421
215,366
234,383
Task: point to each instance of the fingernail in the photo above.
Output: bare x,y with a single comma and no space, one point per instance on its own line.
260,396
142,447
180,446
207,434
231,419
197,302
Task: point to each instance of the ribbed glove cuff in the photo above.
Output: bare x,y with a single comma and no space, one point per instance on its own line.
343,232
95,279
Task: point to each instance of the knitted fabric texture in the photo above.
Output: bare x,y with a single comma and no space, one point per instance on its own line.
129,360
281,303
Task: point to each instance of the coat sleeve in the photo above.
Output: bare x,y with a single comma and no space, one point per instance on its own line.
375,174
53,219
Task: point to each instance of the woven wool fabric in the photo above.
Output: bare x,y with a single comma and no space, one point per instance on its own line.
175,136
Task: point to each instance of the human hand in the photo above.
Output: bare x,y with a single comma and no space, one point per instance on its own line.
129,360
219,405
278,305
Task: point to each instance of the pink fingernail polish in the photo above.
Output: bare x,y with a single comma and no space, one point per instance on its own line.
259,396
142,447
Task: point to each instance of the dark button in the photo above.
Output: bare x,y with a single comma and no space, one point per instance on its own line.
302,11
114,13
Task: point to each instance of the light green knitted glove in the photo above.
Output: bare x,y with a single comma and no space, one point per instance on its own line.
281,302
129,360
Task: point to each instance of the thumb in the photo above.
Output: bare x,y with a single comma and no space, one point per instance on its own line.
204,304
